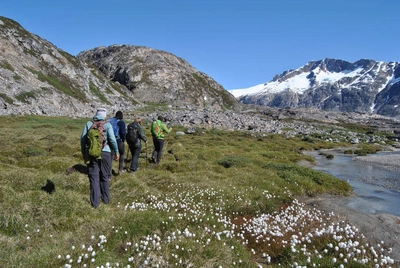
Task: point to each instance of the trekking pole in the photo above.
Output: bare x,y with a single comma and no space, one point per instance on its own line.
126,159
145,165
165,146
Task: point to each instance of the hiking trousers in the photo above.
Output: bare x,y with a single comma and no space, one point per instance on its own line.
98,173
135,151
158,147
121,149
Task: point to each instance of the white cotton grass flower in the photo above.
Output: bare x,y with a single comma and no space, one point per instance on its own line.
289,227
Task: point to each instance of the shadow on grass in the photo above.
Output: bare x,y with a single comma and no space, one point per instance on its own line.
77,168
49,187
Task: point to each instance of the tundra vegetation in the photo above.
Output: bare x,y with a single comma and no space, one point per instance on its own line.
218,199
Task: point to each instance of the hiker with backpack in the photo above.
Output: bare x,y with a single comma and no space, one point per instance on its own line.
134,136
158,130
97,140
120,135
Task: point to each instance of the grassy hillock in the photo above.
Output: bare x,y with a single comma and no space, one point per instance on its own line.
218,199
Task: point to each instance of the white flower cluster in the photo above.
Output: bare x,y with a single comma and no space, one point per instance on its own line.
205,213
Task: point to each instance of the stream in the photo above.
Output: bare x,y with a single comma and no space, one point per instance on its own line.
377,189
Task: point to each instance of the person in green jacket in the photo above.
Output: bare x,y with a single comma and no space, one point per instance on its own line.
158,131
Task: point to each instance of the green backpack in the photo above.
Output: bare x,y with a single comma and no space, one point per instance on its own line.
95,139
156,130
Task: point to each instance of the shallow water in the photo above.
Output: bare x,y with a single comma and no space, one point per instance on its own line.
377,190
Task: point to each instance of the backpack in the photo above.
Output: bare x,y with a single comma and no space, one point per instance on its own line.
114,123
156,129
95,139
132,135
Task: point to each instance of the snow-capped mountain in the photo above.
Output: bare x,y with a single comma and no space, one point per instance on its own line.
335,85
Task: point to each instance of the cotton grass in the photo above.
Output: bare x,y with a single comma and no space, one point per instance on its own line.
294,236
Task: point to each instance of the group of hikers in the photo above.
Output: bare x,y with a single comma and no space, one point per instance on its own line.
103,140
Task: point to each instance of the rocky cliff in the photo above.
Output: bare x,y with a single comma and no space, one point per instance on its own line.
38,78
158,76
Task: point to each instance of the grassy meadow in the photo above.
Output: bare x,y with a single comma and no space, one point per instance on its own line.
218,199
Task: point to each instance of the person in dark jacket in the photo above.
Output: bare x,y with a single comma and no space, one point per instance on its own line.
136,148
99,169
121,137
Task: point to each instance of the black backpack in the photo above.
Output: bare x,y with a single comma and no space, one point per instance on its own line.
132,135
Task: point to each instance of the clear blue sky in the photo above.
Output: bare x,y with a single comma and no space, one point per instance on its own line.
239,43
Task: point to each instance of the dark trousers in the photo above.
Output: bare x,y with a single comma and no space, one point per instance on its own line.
158,147
135,151
121,149
98,173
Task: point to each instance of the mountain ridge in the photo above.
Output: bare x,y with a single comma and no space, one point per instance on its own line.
42,79
158,76
332,85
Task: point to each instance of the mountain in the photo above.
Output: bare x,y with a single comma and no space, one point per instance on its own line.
332,85
158,76
36,77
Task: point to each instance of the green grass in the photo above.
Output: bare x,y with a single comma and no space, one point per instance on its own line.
97,93
60,83
6,98
169,214
25,96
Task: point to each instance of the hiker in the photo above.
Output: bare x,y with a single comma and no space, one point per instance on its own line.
158,130
99,168
120,137
134,137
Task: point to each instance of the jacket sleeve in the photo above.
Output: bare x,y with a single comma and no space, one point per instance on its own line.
164,127
112,142
141,134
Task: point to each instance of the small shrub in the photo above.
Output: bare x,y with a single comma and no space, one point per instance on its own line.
233,160
6,98
30,151
24,96
361,152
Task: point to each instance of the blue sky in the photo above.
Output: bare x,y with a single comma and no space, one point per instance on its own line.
238,43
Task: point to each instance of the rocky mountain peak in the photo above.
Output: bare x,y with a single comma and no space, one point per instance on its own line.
334,85
158,76
39,78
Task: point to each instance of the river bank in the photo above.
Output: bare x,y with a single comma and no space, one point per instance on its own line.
378,228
